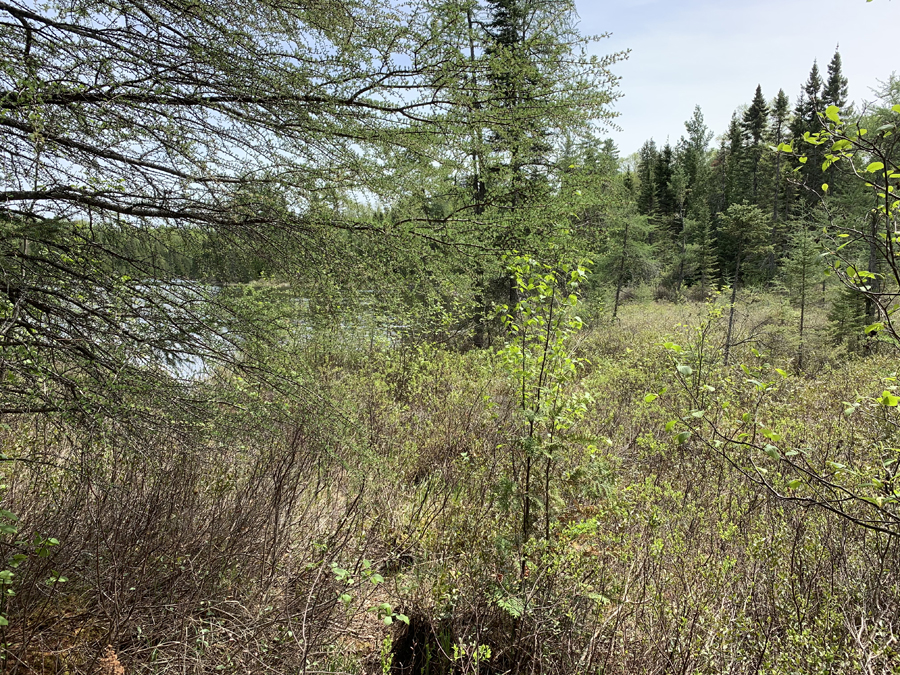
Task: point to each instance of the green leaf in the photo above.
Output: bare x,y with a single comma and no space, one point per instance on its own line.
3,621
683,437
685,370
649,398
771,435
513,606
403,618
824,187
832,112
670,425
794,484
875,166
772,452
895,108
889,400
802,160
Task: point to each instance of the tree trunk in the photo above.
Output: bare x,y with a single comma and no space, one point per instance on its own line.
621,275
734,289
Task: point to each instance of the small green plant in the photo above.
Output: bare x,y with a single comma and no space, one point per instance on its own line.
387,655
538,356
384,610
40,547
469,657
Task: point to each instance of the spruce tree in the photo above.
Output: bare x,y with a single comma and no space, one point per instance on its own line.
646,170
754,123
802,269
517,80
531,81
626,258
678,187
835,92
836,89
806,120
735,183
662,176
702,259
779,113
848,318
693,156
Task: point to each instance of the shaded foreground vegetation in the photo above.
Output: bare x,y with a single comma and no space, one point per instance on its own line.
377,526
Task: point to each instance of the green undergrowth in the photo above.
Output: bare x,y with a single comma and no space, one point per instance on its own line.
378,525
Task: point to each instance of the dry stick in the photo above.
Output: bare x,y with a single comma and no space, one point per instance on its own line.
737,271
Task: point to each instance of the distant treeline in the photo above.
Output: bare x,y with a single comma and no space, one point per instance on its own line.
170,252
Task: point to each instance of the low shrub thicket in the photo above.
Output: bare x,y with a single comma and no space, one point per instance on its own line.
378,527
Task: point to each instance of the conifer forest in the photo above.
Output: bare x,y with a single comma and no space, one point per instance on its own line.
339,336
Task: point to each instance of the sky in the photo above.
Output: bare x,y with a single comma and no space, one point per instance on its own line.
713,54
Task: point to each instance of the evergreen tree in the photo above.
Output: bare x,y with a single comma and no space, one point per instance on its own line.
734,180
835,92
678,187
754,123
531,80
802,269
779,113
662,177
836,88
848,318
627,257
693,154
806,120
646,172
520,149
701,254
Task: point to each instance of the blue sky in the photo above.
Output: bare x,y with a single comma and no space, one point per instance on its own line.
713,54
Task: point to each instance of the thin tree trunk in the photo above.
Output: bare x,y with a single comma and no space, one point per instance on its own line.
802,306
734,289
777,176
621,275
683,250
872,314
